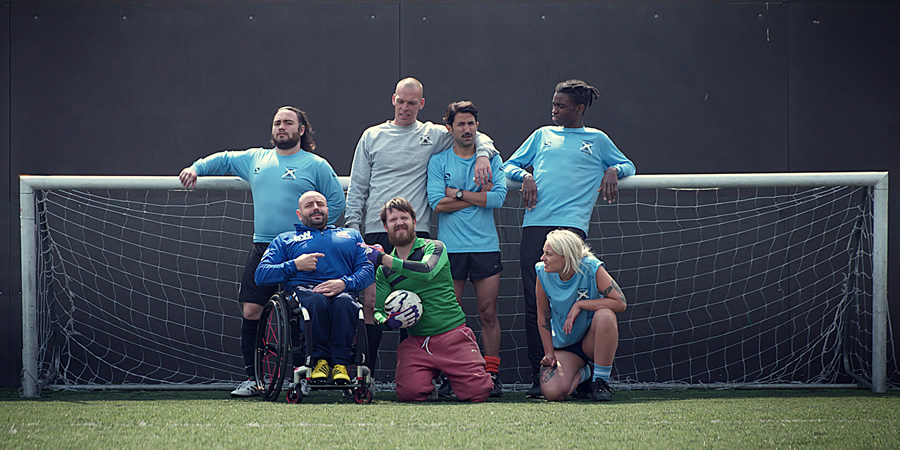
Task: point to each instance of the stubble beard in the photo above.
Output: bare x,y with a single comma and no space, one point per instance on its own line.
318,222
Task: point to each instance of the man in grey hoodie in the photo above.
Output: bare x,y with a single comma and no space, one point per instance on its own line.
391,160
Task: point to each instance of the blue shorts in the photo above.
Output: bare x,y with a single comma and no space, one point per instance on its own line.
578,350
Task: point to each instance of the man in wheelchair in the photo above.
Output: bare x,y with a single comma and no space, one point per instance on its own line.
324,267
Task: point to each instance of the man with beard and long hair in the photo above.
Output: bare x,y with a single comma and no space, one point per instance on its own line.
324,267
278,176
440,341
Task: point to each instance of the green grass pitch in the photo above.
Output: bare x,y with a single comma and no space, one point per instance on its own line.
635,419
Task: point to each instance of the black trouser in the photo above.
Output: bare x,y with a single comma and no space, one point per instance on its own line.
530,251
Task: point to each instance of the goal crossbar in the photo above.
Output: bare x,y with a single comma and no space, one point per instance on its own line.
878,181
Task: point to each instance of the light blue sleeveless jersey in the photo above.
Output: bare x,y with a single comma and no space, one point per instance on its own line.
563,294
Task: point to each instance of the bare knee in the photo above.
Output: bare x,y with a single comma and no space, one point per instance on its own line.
604,319
488,317
251,311
554,392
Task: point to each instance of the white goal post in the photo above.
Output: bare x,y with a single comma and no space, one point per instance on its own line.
877,182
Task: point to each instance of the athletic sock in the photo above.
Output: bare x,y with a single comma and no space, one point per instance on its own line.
584,373
602,372
248,345
492,364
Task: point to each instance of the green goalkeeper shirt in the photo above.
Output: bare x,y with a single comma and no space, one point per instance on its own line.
427,273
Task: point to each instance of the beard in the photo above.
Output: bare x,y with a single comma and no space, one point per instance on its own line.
318,221
286,142
403,237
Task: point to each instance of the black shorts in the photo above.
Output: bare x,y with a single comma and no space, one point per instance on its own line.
474,266
382,239
250,292
578,349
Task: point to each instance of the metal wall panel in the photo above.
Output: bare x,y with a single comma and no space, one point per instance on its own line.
146,90
686,88
10,300
844,91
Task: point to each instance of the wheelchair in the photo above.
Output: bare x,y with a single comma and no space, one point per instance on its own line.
274,348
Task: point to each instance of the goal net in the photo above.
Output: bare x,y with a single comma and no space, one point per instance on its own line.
766,280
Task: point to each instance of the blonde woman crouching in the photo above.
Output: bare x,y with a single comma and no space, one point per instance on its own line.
577,302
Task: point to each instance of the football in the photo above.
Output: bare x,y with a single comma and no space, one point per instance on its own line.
405,306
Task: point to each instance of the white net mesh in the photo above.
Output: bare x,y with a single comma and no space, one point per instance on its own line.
725,286
142,284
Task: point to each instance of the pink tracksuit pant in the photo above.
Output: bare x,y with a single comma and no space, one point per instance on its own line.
455,352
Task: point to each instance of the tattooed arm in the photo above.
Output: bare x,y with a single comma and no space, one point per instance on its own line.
612,298
544,326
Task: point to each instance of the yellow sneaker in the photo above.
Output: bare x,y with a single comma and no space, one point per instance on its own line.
320,373
339,374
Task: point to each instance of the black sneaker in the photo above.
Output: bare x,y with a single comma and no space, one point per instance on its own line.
445,390
600,391
583,391
535,391
497,391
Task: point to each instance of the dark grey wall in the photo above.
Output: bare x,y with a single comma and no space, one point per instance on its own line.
686,87
10,303
844,99
692,87
147,89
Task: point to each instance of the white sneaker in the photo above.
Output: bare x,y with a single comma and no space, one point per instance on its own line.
249,388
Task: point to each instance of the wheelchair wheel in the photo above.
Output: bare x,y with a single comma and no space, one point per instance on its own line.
272,347
363,394
294,396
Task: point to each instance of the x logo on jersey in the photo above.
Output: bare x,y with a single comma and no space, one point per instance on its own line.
586,147
289,174
425,139
582,294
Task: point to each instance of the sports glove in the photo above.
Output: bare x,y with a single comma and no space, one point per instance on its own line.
373,253
393,323
406,318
